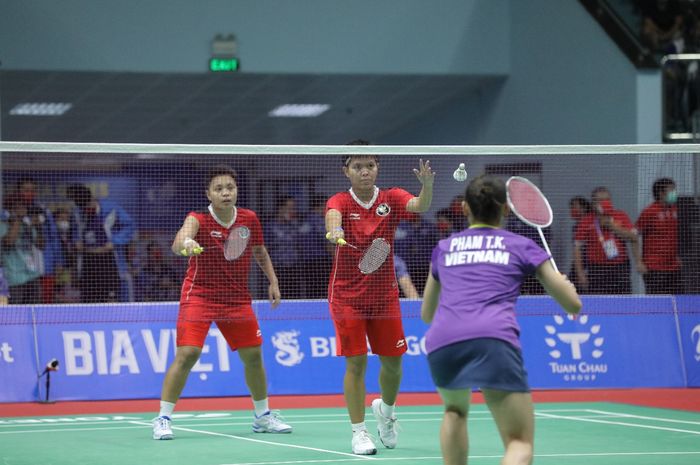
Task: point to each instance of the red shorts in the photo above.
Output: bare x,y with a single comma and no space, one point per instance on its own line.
380,326
237,324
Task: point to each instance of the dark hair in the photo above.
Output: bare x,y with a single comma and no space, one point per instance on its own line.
599,189
221,170
661,185
79,195
485,196
348,158
583,201
26,179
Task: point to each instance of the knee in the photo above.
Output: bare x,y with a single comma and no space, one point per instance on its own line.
355,368
455,412
186,358
252,358
391,365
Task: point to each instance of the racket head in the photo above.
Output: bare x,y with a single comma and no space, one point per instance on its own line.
375,255
236,242
528,203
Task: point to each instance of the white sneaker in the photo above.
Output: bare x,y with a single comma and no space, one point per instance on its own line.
362,443
270,422
161,428
386,427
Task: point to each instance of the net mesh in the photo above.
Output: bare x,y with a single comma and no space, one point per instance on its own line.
55,244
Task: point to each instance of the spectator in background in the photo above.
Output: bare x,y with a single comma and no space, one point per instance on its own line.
603,235
22,254
406,286
444,222
579,208
52,258
658,228
318,254
4,287
157,281
104,230
414,239
284,243
66,272
662,25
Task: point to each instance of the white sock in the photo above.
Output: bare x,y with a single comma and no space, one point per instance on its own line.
357,427
261,407
166,409
387,410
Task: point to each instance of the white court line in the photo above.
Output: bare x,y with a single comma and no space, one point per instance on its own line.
644,417
472,457
260,441
60,427
619,423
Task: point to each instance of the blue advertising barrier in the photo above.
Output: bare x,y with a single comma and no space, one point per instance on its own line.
122,351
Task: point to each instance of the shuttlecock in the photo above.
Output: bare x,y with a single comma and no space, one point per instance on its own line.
460,173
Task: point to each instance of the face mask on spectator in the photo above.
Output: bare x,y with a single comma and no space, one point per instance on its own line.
671,197
63,226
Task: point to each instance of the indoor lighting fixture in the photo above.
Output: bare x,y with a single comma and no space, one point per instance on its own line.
299,110
40,109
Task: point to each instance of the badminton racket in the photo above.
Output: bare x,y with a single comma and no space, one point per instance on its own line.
236,243
531,206
373,256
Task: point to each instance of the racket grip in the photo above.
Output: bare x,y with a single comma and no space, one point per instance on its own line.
195,251
340,241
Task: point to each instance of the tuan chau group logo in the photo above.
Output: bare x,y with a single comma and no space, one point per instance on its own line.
576,353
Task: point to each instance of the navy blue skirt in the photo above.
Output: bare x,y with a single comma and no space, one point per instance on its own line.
479,363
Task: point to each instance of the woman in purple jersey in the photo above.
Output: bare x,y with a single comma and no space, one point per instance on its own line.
473,339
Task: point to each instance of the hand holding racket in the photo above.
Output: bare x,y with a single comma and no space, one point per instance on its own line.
191,248
531,206
373,256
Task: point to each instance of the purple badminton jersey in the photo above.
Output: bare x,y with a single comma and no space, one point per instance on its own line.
480,271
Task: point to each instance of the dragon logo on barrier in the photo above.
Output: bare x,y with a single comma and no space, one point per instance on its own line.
571,363
288,350
696,332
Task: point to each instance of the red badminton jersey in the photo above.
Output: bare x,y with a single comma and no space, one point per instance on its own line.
210,275
362,224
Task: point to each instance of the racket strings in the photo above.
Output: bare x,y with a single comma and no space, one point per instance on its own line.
236,243
528,203
375,256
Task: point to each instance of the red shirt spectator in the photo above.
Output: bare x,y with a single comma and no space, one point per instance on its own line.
658,225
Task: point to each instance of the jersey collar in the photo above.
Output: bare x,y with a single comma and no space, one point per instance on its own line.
482,225
366,205
216,218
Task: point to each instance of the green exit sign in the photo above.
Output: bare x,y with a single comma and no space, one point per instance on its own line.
229,65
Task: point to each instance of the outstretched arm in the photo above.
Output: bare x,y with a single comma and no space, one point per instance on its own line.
426,176
184,243
265,264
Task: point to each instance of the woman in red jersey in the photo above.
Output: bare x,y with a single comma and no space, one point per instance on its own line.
366,306
215,289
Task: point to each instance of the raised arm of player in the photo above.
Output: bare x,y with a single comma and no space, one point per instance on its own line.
265,264
184,239
559,287
426,176
334,225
